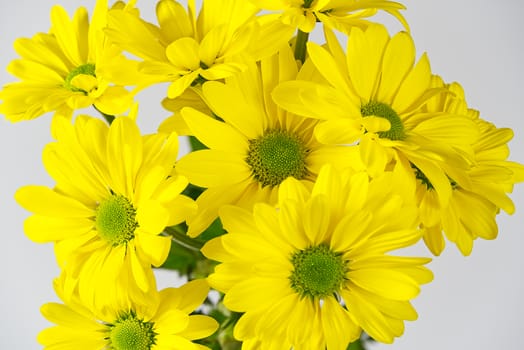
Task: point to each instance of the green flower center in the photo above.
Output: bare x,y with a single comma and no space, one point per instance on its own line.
275,156
382,110
131,333
115,220
86,69
318,272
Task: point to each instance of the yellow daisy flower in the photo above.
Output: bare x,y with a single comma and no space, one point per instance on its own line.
256,146
334,14
113,197
163,324
186,49
374,97
62,71
314,273
474,204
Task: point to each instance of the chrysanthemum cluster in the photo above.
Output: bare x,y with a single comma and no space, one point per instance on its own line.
311,164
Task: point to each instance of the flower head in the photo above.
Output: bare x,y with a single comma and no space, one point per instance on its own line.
374,100
256,146
479,194
320,257
113,197
163,323
187,49
63,70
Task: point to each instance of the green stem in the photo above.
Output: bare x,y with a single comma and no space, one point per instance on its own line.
108,117
179,236
300,45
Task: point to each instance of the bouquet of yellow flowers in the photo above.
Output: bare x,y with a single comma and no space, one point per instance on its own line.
312,163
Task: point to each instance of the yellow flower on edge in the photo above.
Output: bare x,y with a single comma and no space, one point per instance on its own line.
314,272
334,14
473,206
374,96
113,197
256,146
164,323
60,71
186,49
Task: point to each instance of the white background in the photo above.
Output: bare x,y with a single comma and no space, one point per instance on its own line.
473,303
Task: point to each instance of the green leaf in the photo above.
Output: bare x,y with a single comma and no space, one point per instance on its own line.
356,345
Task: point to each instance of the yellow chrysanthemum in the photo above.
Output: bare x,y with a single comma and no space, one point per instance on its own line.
374,98
164,323
113,197
335,14
473,205
256,146
63,70
314,273
185,49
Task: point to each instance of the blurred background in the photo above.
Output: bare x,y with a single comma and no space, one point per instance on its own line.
474,302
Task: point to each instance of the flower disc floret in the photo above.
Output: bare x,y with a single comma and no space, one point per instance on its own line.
275,156
382,110
318,272
115,220
86,69
131,333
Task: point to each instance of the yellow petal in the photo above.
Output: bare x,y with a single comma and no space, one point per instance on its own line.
214,134
211,168
414,86
65,316
114,101
222,70
66,33
386,283
434,239
398,60
156,248
199,326
138,270
152,217
173,20
209,203
84,82
44,201
170,321
134,35
124,154
183,54
364,55
35,72
180,209
219,95
368,317
255,293
329,68
180,85
338,327
186,298
237,219
47,229
316,220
